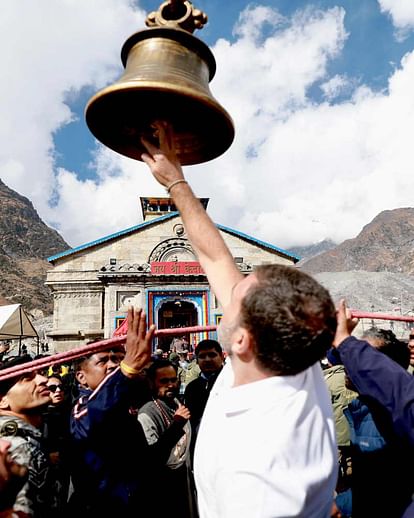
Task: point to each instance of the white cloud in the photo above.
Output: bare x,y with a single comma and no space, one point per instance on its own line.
335,86
402,14
252,20
297,172
50,50
320,170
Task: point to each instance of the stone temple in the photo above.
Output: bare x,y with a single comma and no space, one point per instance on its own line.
150,265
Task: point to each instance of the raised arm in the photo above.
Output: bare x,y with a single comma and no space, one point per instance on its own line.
212,252
375,375
112,398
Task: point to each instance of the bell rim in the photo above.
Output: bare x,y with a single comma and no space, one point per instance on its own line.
152,86
226,121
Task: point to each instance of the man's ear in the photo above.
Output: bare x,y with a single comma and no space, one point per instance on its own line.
4,402
81,378
242,345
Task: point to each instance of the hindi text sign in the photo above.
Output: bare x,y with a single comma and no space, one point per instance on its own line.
176,268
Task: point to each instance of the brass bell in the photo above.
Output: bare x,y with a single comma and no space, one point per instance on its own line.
167,75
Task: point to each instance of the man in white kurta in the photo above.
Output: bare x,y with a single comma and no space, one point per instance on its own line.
267,449
266,445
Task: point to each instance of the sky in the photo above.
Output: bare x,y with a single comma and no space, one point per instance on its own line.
321,94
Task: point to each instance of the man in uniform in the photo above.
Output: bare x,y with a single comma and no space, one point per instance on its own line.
22,403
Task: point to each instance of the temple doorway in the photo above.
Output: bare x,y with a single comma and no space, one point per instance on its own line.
173,314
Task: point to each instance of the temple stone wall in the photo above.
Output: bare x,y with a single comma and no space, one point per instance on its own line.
118,297
77,315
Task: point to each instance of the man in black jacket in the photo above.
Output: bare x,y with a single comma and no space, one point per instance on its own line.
210,359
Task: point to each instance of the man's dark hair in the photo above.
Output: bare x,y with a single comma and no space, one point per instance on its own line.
290,317
208,344
56,377
13,361
389,345
159,364
377,334
79,362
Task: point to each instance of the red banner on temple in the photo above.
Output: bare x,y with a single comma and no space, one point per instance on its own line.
177,268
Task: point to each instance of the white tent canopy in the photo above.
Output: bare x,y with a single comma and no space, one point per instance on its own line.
14,323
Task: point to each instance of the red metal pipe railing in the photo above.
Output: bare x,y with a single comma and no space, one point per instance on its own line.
87,349
95,347
381,316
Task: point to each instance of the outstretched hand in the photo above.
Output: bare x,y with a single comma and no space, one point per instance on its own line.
345,323
138,343
163,161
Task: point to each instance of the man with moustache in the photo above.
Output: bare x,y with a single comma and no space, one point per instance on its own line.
107,443
161,416
266,443
22,403
112,464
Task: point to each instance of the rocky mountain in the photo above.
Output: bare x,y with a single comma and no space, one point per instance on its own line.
25,242
384,245
387,292
374,270
306,252
374,292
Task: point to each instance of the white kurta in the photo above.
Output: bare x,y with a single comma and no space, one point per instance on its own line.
267,449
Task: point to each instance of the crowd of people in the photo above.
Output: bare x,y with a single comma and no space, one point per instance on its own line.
93,437
261,431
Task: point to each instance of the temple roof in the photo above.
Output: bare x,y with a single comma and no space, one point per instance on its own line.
156,221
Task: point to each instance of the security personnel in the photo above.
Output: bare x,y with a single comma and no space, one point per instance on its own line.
22,403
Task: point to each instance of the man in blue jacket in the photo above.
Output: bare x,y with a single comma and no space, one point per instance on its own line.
376,375
378,378
112,465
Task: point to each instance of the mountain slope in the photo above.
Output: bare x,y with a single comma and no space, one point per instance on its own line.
25,242
384,245
306,252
